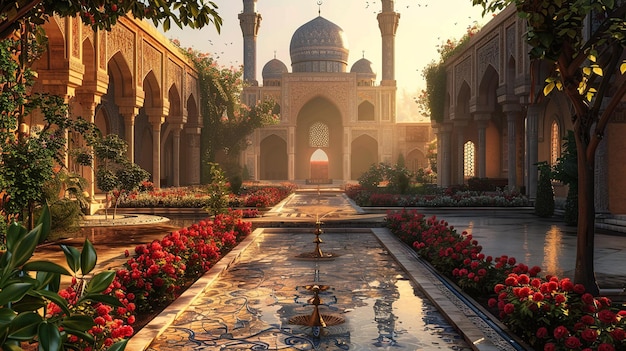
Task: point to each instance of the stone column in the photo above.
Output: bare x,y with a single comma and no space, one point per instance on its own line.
192,135
291,153
156,121
532,152
481,148
129,114
444,161
176,154
511,119
459,128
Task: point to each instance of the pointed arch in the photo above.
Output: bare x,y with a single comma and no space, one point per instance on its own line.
366,112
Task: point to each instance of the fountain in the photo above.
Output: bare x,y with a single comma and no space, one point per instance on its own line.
316,320
317,253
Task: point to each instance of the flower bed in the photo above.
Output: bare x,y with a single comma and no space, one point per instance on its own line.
547,312
251,195
155,276
433,197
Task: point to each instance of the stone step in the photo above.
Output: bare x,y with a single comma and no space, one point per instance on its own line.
619,228
614,221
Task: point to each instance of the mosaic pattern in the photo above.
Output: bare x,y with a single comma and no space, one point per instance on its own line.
250,305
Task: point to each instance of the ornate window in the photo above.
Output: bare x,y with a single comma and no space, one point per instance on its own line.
555,143
469,151
319,135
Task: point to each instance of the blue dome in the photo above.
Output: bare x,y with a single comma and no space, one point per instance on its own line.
319,46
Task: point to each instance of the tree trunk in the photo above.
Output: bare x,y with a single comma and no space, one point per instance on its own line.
585,273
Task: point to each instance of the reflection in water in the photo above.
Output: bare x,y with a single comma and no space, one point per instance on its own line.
250,305
552,251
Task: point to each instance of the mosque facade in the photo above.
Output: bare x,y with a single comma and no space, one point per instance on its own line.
335,121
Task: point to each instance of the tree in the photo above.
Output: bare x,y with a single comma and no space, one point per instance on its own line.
114,173
227,120
584,42
102,14
29,154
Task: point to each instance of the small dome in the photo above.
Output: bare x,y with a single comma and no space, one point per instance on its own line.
363,66
274,69
319,46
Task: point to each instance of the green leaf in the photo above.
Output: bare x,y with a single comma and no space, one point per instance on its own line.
24,248
78,322
25,326
100,282
45,266
49,281
105,299
118,346
14,233
6,316
56,298
81,334
49,337
88,257
14,292
44,220
29,303
72,257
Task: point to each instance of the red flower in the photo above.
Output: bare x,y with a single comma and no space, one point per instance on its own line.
618,334
589,335
509,308
549,347
605,347
541,332
560,332
606,316
572,342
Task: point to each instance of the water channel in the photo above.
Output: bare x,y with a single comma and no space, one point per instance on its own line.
252,304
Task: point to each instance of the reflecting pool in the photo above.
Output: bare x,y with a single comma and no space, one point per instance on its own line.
251,304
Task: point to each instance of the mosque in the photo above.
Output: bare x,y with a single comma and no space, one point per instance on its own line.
334,123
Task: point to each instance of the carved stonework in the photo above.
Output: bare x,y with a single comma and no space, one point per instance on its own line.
356,133
511,35
335,89
521,53
191,83
489,54
151,61
366,96
102,50
281,133
61,23
462,73
121,39
174,75
76,42
87,33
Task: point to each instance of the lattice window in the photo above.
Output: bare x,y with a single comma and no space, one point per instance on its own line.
469,151
319,135
555,143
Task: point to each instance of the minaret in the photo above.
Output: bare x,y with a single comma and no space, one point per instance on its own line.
249,20
388,23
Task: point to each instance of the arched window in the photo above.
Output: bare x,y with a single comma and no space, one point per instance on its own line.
469,151
555,143
319,135
366,111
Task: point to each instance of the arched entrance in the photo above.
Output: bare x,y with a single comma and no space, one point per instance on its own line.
319,166
319,126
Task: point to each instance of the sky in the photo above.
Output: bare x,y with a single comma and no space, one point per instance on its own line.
423,26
